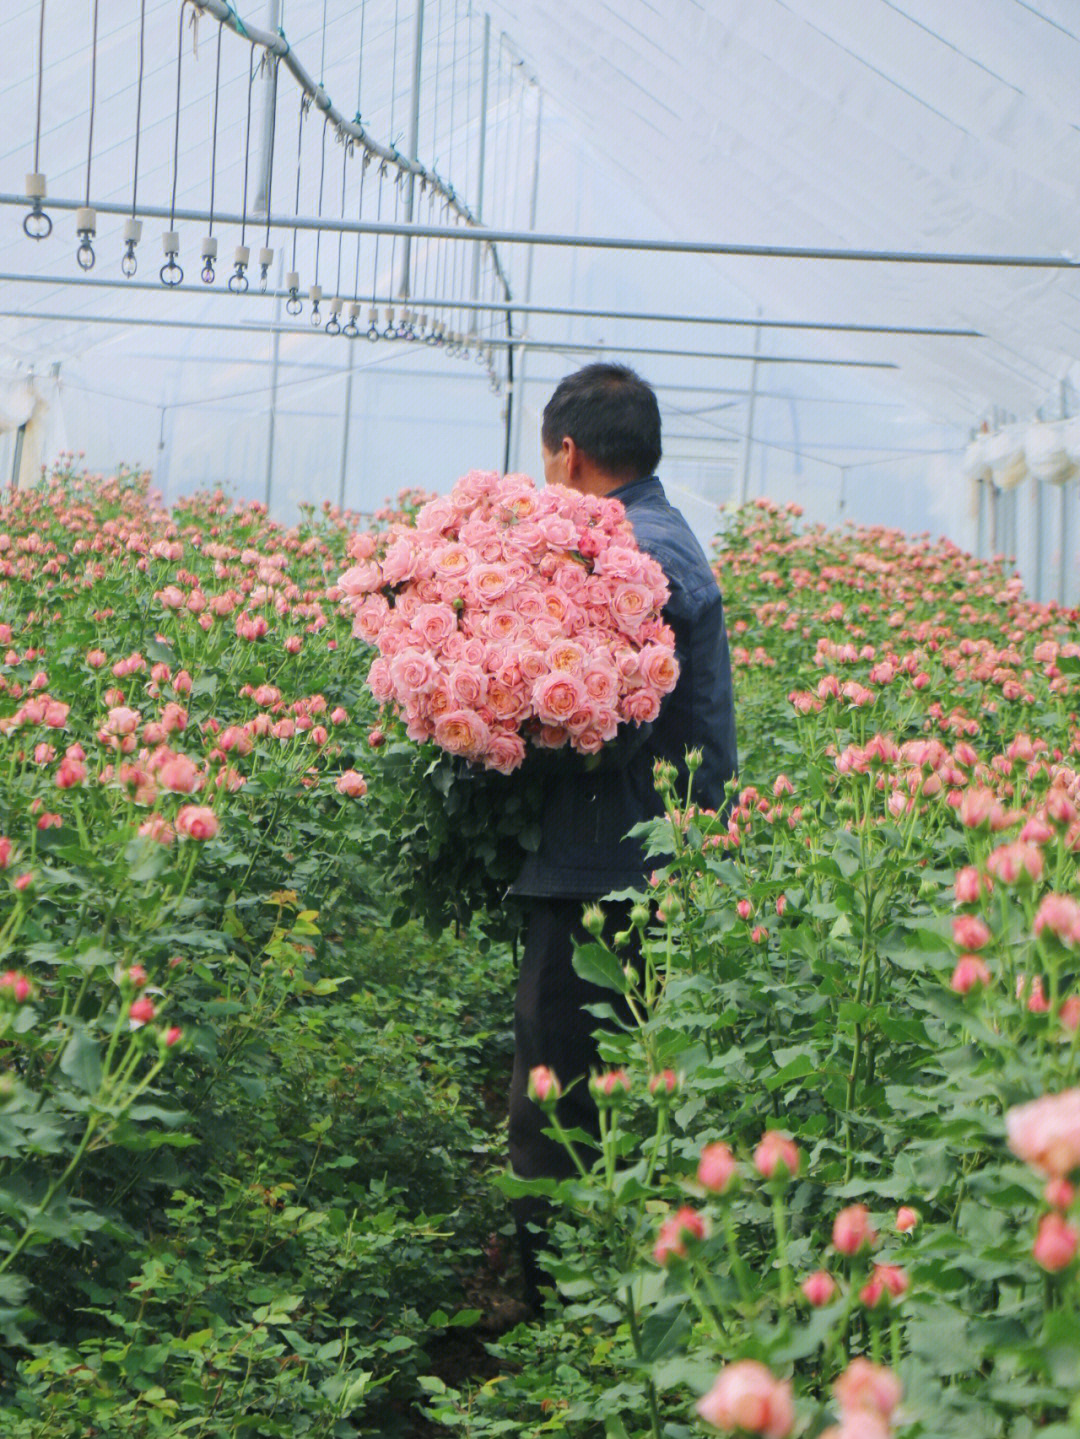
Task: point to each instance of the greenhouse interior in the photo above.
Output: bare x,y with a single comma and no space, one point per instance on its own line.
538,898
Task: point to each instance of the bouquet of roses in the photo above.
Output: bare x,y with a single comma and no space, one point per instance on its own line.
508,616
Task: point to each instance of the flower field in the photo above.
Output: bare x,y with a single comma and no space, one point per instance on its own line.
251,1142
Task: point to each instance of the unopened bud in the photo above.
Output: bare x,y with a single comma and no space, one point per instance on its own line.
593,920
639,916
664,1086
609,1090
693,760
543,1087
670,909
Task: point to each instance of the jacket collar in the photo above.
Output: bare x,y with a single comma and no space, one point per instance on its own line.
635,490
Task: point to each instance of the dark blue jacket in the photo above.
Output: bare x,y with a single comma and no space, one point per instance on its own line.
587,812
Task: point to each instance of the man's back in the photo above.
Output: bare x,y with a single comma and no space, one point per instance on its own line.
584,850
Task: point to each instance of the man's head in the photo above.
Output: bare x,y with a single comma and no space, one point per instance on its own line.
601,429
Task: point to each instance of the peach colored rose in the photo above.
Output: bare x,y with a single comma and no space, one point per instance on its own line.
556,696
746,1397
1046,1133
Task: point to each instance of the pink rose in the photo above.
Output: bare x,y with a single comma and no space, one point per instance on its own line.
461,732
544,1088
412,671
1060,914
631,604
361,579
867,1386
685,1224
818,1288
906,1219
717,1168
467,685
504,752
969,885
748,1398
641,706
970,932
157,828
659,668
777,1156
178,773
141,1011
852,1230
197,821
556,696
352,783
1046,1133
1055,1243
970,973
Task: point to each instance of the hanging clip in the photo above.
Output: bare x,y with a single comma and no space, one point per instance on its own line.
404,330
373,324
293,304
86,229
37,224
170,273
266,259
238,280
352,330
390,333
333,325
316,295
209,255
132,235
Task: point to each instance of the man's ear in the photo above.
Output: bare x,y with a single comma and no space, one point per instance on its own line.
572,458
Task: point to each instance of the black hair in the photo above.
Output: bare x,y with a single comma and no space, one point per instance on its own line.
611,414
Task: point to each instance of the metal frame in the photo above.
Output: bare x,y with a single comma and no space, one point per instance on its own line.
482,234
558,347
511,306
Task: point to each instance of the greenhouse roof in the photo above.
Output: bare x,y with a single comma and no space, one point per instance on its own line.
884,127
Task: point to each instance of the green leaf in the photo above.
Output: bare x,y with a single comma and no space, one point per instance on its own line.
597,965
81,1062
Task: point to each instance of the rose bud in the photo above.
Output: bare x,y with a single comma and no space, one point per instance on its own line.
610,1089
1055,1243
906,1219
777,1156
970,973
717,1168
685,1224
818,1288
852,1230
544,1088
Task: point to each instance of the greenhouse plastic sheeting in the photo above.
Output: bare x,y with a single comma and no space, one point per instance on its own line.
899,125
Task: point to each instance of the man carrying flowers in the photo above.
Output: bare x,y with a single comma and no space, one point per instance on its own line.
601,437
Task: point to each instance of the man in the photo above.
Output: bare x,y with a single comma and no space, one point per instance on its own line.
601,435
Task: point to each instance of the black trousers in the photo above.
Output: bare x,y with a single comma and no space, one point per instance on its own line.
551,1027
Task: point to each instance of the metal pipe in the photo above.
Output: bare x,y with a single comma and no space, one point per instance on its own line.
560,311
1063,524
482,234
1036,497
275,361
414,148
744,480
345,429
484,63
559,347
266,156
16,464
527,308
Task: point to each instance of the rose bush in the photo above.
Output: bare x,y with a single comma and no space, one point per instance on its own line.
213,1218
247,1118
